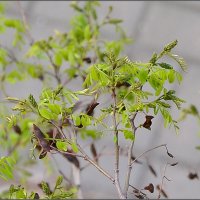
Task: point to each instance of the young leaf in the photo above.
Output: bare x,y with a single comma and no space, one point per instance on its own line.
171,76
32,101
45,188
142,75
170,46
115,21
179,60
58,59
62,146
165,65
129,134
47,114
59,181
74,147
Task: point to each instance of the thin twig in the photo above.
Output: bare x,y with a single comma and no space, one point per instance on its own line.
86,157
162,145
56,68
160,187
139,191
67,153
67,179
96,157
25,22
58,128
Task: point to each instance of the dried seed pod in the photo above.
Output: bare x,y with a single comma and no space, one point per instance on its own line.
150,188
147,124
17,129
192,176
152,170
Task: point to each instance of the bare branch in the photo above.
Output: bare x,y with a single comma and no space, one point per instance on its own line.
58,128
67,153
127,179
162,145
86,157
25,22
117,183
163,177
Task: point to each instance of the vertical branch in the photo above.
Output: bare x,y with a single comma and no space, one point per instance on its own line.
25,22
117,184
161,186
127,179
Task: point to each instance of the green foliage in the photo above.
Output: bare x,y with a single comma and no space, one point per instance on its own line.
18,192
55,121
61,145
6,167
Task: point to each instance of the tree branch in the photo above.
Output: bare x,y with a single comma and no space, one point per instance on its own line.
117,184
163,177
86,157
162,145
127,179
24,19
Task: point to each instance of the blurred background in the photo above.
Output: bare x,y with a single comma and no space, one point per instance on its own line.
151,25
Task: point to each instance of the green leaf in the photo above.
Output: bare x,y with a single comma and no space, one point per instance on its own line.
14,23
61,145
179,60
45,188
59,181
32,101
58,59
179,77
21,194
128,134
74,147
77,120
1,8
55,108
166,105
142,75
87,32
153,58
85,120
165,65
171,76
115,21
47,114
170,46
75,6
198,147
15,76
6,167
194,110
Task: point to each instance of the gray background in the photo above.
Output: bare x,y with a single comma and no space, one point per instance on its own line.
151,25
